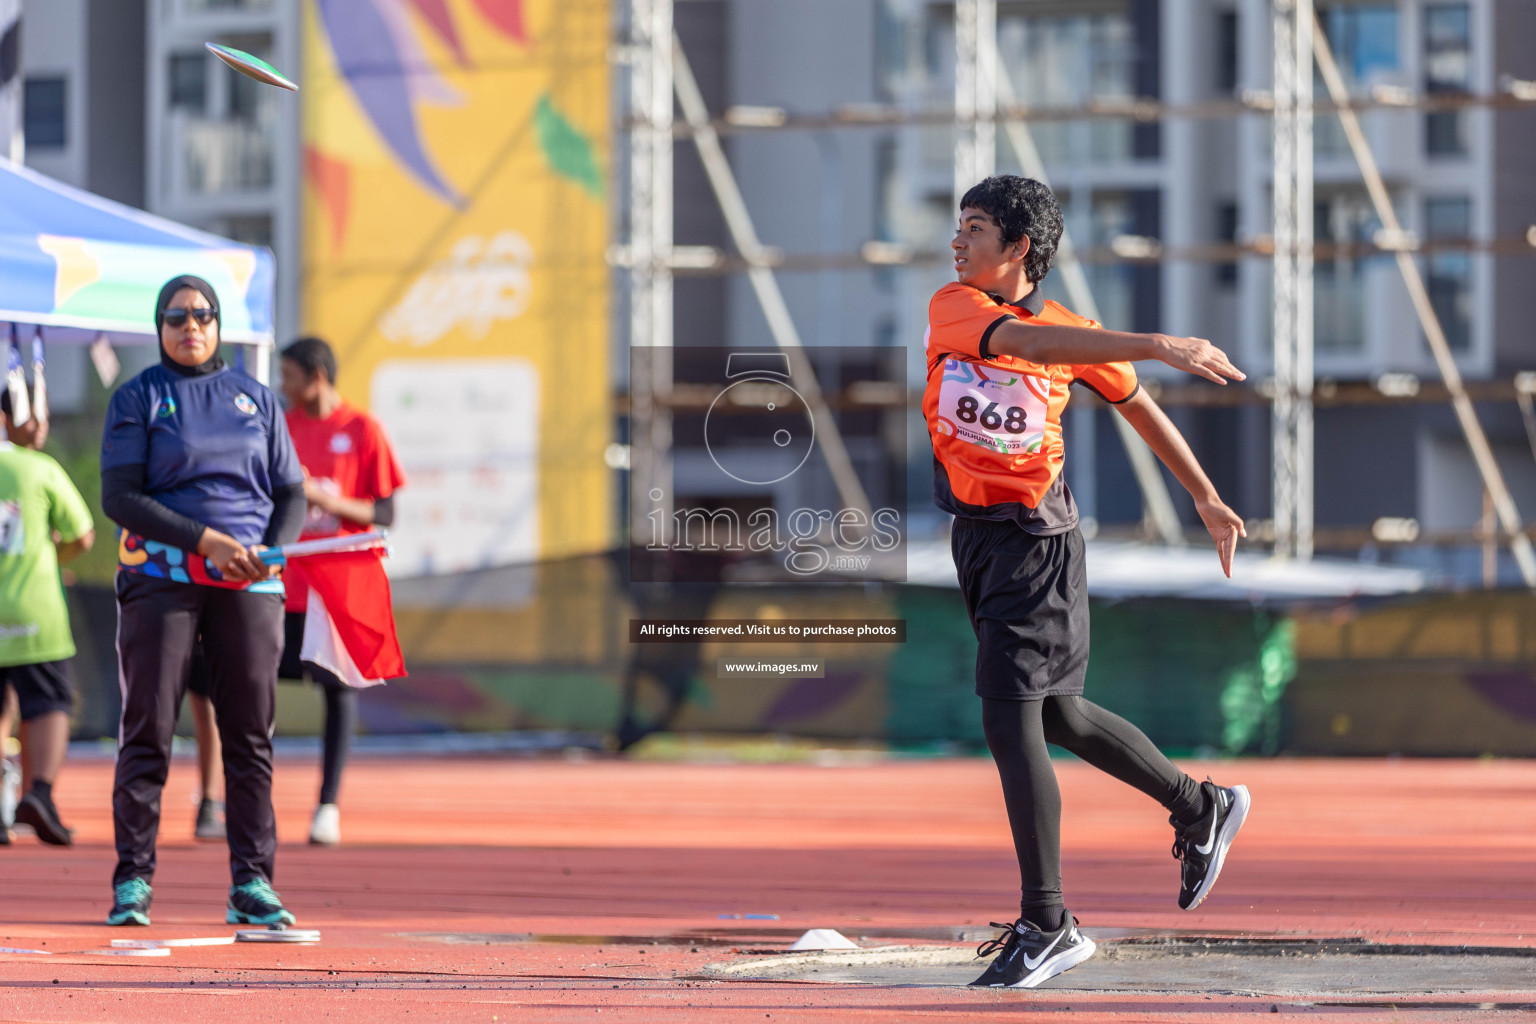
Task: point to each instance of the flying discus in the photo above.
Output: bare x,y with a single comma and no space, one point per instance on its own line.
251,66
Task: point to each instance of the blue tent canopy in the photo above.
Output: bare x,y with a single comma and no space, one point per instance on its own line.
81,265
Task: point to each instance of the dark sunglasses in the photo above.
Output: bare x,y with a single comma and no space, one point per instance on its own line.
178,317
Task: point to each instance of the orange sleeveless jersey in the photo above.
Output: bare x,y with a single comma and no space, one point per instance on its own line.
995,421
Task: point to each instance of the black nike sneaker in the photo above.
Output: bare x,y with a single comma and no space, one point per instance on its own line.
1030,956
1203,846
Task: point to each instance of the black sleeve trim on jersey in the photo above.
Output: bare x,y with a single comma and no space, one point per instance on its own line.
384,511
125,503
1134,391
986,336
287,521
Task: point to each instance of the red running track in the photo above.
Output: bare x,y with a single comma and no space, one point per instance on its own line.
1439,852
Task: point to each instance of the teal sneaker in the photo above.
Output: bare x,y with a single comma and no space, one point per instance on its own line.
256,902
130,902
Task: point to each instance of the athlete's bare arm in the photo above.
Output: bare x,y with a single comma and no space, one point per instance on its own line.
1169,445
1054,345
69,550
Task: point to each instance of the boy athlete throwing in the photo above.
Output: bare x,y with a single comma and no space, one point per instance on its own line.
1000,359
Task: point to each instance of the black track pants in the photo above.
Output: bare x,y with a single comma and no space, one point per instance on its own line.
1017,732
158,623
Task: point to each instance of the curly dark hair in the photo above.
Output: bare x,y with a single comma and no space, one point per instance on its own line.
1021,206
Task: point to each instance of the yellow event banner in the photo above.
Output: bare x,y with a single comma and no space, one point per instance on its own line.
454,236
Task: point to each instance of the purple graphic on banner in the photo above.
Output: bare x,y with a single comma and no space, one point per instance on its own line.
370,59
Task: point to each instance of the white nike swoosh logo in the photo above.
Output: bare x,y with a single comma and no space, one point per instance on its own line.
1210,840
1032,964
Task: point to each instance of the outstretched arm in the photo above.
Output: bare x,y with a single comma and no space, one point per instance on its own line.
1169,445
1058,344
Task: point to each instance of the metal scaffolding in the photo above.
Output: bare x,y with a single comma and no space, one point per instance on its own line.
1293,470
1496,490
985,99
1511,94
765,284
976,80
658,72
649,245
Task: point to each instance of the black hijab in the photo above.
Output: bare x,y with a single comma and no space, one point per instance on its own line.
168,293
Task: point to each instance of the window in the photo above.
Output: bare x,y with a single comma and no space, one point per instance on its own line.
1097,223
1226,232
250,230
245,97
1364,40
1128,294
1115,60
1447,69
1341,217
1226,52
1449,274
1068,59
45,113
189,82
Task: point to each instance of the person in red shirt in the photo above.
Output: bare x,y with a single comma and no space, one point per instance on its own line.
1000,360
350,479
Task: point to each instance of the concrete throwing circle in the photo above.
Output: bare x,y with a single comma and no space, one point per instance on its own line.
1234,967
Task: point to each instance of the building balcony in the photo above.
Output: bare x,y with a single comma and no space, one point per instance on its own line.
1339,298
217,157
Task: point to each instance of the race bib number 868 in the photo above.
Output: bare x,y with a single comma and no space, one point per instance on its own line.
998,409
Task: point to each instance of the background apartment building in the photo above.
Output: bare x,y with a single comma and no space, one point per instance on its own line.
1191,181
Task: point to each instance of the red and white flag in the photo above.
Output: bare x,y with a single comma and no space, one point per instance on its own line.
349,627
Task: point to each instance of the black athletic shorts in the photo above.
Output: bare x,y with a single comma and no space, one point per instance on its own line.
1027,597
41,687
291,669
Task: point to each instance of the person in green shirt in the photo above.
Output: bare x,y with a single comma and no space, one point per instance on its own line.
44,523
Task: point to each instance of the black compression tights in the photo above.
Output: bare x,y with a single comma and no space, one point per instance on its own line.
340,724
1017,732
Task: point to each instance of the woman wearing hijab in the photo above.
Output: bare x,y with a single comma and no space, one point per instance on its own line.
198,469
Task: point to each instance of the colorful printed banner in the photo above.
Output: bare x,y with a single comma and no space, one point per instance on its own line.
455,232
